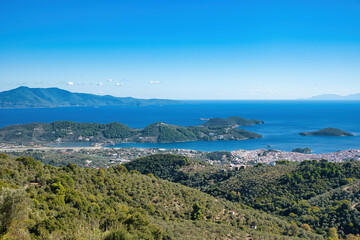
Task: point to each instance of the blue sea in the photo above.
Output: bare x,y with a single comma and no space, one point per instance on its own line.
283,121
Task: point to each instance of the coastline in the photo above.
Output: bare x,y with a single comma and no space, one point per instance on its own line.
22,149
267,156
284,120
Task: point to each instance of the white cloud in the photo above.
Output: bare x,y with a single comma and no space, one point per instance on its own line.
109,80
70,83
119,84
344,90
154,82
266,90
100,84
82,83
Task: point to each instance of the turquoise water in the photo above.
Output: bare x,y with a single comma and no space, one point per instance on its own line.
283,121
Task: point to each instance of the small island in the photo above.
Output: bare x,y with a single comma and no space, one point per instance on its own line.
328,132
231,122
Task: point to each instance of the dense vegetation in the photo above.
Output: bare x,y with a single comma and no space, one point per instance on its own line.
67,131
302,150
60,158
328,132
288,190
44,202
164,165
218,155
162,132
321,194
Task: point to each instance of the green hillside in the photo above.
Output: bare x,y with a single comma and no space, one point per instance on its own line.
321,194
44,202
162,132
290,190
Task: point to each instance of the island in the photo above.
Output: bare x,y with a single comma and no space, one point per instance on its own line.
111,133
25,97
334,97
328,132
231,122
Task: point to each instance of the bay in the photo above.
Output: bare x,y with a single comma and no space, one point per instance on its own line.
283,121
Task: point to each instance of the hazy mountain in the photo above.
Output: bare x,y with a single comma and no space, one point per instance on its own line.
335,97
25,97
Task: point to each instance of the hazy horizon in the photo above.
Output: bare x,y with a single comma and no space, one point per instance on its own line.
182,50
244,99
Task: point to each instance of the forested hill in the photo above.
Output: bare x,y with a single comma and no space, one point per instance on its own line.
318,195
44,202
25,97
66,131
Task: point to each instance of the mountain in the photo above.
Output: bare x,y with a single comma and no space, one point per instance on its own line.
67,131
40,201
335,97
25,97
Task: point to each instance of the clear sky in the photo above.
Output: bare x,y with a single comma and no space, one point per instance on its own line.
182,49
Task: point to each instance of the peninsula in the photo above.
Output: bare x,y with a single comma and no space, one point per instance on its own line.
328,132
159,132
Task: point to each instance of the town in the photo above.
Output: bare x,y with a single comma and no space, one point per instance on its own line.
98,156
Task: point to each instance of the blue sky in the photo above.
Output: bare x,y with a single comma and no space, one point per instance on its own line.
182,49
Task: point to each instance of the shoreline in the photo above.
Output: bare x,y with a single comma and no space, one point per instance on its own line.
22,149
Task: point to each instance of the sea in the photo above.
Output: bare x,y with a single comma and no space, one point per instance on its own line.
284,120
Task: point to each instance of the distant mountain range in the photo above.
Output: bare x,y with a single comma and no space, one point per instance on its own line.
25,97
335,97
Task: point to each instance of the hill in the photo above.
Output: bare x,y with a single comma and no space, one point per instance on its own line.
163,132
231,122
25,97
328,132
44,202
321,194
286,190
67,131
